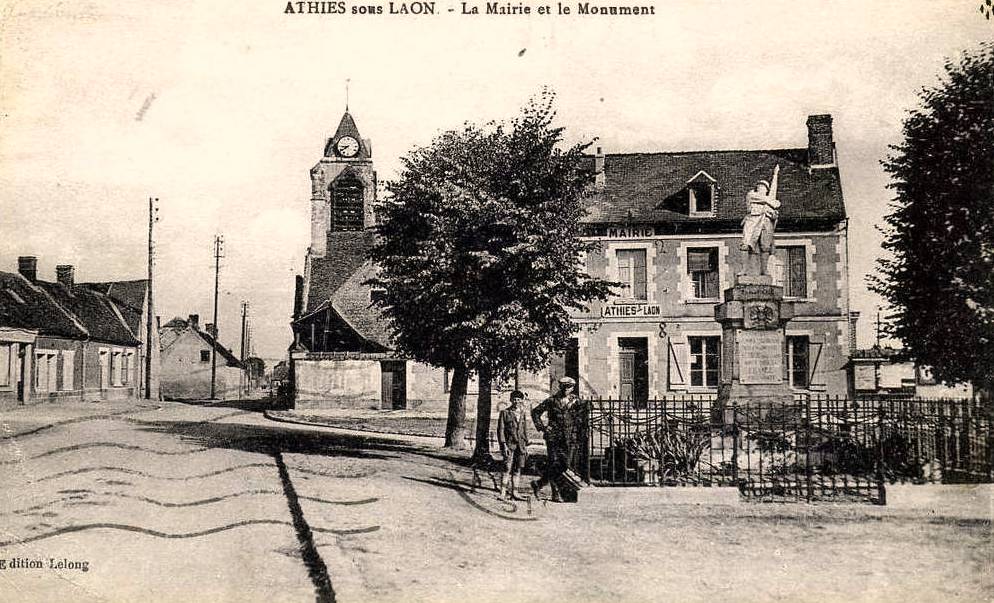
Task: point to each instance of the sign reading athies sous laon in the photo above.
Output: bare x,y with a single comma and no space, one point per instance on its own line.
630,310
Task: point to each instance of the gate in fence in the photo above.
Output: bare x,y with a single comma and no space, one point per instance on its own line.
812,448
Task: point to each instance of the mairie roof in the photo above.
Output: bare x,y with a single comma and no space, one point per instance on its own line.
652,187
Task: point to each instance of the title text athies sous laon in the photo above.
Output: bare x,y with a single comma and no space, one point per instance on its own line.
465,8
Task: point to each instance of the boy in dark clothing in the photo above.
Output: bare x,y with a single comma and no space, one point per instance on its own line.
512,435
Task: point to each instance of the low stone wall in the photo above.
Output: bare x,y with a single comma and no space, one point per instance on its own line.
337,383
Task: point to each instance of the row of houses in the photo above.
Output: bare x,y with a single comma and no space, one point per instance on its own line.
93,341
667,226
67,340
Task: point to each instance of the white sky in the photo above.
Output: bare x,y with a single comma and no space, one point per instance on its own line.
239,98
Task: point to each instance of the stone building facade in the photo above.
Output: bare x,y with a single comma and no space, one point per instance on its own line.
187,359
667,227
65,340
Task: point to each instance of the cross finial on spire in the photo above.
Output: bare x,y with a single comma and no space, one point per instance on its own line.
347,80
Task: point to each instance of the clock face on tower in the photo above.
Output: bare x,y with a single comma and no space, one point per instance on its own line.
347,146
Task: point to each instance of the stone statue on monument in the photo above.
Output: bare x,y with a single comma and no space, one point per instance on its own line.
759,224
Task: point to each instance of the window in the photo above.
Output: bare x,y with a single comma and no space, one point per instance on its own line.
68,369
705,361
377,295
795,270
701,198
631,273
125,368
346,204
45,371
205,355
6,353
798,364
702,266
115,368
104,368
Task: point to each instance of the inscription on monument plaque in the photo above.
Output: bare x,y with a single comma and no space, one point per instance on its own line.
760,356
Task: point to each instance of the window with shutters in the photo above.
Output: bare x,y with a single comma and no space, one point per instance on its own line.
205,355
798,361
6,354
125,368
702,266
115,368
46,370
705,361
68,369
346,204
632,273
795,270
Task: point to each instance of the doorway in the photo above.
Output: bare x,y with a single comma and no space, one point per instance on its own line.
393,385
633,362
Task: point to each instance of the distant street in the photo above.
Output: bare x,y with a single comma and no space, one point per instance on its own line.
214,502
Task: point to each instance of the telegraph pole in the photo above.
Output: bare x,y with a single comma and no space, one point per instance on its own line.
245,306
879,324
153,217
218,254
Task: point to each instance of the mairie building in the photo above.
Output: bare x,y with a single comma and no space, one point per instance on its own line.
667,227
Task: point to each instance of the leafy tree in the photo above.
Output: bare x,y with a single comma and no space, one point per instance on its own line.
940,280
479,254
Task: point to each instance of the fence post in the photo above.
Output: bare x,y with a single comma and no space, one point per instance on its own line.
987,411
735,442
881,488
807,445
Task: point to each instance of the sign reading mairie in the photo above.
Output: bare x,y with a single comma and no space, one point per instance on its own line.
620,232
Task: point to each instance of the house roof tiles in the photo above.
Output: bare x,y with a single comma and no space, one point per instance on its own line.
52,309
651,187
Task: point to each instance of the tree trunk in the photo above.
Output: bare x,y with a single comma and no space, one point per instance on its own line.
483,410
455,427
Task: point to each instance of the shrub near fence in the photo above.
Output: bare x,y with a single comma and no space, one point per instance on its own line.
810,448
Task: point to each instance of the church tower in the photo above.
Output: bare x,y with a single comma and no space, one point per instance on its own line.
343,187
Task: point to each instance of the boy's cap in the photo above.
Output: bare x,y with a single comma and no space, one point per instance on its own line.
517,395
566,381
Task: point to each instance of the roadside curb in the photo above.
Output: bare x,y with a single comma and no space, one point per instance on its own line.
621,496
965,500
397,437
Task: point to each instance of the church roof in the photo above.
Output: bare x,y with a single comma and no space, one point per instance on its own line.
337,282
347,252
652,187
346,127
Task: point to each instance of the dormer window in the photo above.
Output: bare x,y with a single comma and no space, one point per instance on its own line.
702,191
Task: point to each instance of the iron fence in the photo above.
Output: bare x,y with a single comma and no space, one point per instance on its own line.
808,447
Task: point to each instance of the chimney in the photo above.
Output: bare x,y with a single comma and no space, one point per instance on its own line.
194,321
65,274
599,179
821,147
853,319
27,265
211,329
